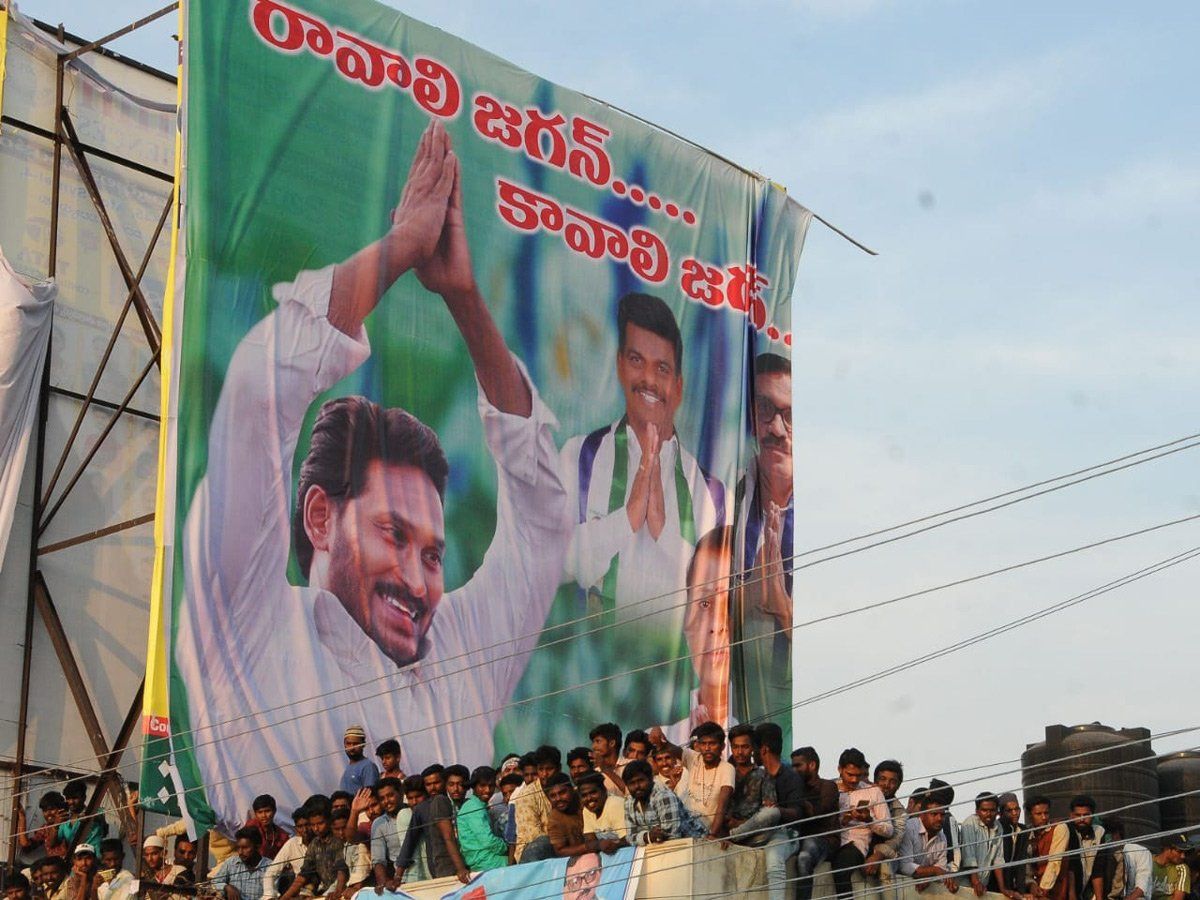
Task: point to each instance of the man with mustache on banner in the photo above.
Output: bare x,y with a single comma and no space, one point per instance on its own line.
371,637
763,516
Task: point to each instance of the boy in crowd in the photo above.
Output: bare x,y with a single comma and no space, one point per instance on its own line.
286,864
389,755
1170,878
184,856
155,865
653,813
84,879
50,878
502,812
1048,877
482,848
324,856
262,819
356,858
18,888
414,795
788,788
76,830
579,763
1014,840
54,813
1086,836
606,747
637,746
564,825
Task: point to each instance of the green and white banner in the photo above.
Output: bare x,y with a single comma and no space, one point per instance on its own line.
478,414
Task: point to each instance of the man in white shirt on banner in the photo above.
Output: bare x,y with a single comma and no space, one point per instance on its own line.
639,499
371,638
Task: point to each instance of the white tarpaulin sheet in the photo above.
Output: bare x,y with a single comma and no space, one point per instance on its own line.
24,334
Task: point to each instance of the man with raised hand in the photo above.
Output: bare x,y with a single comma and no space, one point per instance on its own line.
763,518
380,640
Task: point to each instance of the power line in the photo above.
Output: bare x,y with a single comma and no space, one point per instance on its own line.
978,512
1013,491
795,627
794,568
1079,598
1153,569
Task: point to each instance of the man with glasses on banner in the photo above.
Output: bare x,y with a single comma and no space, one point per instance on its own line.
370,638
763,517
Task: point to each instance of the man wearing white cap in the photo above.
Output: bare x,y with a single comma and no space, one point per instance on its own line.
155,865
84,878
360,772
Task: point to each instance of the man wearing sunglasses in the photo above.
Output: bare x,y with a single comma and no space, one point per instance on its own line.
762,615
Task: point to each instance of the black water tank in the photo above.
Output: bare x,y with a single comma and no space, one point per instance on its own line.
1053,768
1179,773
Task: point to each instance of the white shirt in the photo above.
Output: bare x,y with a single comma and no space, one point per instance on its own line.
249,641
121,887
1139,869
860,833
703,791
647,568
290,854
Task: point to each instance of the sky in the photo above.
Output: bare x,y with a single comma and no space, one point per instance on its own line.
1028,174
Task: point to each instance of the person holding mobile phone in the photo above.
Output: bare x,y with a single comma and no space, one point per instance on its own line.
864,814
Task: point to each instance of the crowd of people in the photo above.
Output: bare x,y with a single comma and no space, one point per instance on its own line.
383,828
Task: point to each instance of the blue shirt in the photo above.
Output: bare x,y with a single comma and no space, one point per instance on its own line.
358,775
249,882
387,836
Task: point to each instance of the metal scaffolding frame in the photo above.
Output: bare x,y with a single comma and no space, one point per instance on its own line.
39,601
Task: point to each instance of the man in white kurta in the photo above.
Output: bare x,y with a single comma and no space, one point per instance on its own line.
274,671
639,499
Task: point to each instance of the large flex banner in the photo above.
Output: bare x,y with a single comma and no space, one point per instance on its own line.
479,417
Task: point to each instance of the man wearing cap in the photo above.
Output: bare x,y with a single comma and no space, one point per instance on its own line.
1171,879
155,865
85,879
360,772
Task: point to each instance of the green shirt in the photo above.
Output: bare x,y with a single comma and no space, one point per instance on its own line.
481,848
1169,879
